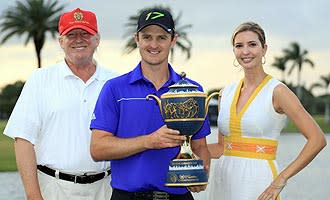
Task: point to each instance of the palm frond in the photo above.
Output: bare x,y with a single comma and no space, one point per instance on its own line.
32,19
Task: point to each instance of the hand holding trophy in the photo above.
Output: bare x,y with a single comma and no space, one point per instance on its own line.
184,108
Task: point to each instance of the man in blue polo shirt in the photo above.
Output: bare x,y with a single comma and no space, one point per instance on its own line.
129,130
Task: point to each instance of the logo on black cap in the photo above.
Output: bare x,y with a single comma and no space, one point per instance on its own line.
154,15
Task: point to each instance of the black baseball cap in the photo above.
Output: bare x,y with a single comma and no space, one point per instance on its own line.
156,16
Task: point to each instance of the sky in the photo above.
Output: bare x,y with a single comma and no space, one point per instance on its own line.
213,21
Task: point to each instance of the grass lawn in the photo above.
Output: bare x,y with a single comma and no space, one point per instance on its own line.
319,119
7,152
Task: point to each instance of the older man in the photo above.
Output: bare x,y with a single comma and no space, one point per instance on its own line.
50,121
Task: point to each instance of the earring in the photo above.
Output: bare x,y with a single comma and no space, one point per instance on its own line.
263,60
234,63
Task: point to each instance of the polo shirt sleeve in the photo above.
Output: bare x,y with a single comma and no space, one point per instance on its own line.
25,121
106,111
205,130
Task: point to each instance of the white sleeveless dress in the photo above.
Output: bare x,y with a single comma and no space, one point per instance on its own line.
248,165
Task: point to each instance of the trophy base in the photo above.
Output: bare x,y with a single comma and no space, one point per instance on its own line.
186,172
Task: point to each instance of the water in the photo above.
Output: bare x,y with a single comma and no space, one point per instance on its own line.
11,186
313,181
310,184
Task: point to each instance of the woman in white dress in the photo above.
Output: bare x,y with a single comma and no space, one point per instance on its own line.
251,117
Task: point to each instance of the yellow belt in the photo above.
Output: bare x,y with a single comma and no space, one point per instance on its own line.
250,147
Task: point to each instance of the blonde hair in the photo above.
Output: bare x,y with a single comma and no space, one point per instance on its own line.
250,26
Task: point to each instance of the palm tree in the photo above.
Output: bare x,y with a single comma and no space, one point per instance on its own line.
182,43
280,64
33,18
298,57
324,84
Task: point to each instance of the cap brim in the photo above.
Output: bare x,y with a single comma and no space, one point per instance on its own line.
89,30
158,24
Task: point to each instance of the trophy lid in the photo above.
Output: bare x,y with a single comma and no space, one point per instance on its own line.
183,86
183,83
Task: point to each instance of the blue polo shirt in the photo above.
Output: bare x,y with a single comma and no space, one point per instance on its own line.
123,110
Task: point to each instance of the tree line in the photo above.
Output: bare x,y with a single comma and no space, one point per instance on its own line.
296,58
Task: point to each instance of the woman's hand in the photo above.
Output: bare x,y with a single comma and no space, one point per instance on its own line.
273,190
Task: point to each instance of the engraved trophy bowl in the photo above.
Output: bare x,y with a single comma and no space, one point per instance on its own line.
184,108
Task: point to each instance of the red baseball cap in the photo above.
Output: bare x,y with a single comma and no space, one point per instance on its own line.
78,18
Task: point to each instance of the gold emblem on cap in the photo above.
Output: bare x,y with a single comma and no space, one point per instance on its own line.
78,16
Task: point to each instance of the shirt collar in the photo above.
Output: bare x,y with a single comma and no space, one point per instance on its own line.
137,75
66,72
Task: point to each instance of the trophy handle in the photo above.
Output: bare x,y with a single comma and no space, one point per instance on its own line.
157,99
208,101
